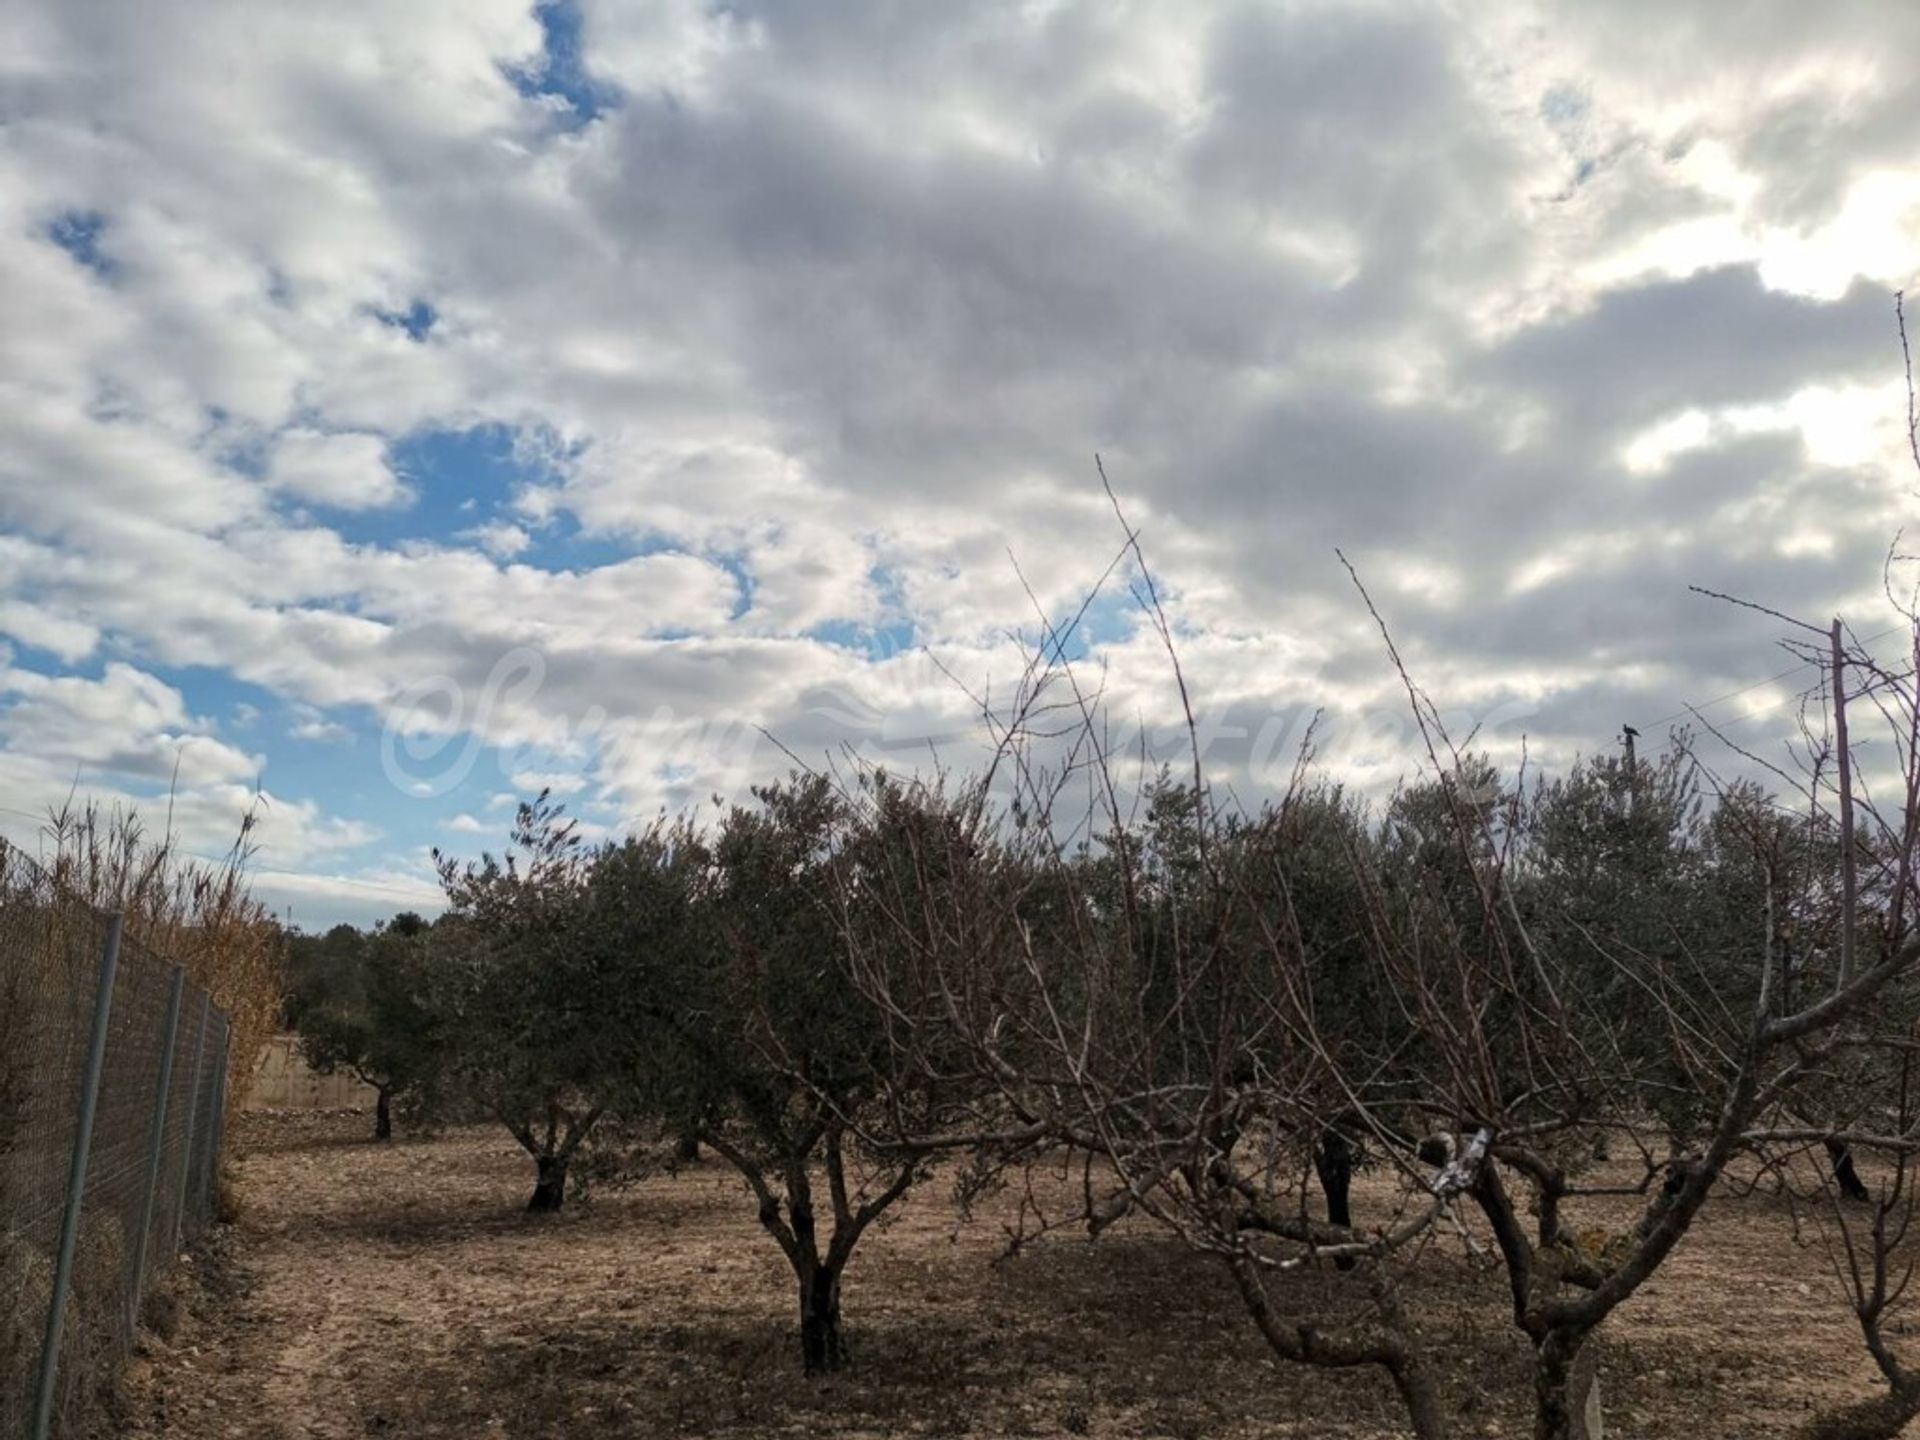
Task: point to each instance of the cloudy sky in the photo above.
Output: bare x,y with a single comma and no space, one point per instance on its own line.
403,406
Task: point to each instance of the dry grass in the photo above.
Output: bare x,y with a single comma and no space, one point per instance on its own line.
400,1291
200,914
175,908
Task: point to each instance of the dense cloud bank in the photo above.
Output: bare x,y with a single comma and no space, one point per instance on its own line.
781,325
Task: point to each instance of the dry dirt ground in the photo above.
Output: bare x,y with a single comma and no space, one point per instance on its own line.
400,1291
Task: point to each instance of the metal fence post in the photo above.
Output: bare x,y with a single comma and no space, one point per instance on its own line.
156,1143
76,1182
217,1131
193,1114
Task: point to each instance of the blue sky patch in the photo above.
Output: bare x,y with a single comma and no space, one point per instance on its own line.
463,479
561,71
893,635
416,320
337,765
1109,620
78,233
875,642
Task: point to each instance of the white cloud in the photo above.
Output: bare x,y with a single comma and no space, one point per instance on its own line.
826,312
311,724
499,539
347,472
126,722
65,636
528,783
315,899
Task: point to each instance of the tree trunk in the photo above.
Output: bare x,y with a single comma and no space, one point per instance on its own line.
383,1113
686,1150
1422,1400
1566,1389
821,1349
1584,1393
1386,1343
1884,1417
1840,1154
1333,1163
550,1189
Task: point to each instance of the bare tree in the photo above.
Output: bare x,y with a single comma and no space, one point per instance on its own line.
1208,1005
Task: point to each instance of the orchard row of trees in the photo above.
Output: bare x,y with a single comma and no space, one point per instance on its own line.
1518,996
1514,994
674,979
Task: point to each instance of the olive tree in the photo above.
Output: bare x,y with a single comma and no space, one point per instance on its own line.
365,1010
532,998
766,1051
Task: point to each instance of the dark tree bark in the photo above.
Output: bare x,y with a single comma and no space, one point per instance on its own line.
383,1113
821,1347
1385,1343
1333,1163
1885,1417
686,1150
552,1155
550,1189
1840,1155
1563,1381
817,1268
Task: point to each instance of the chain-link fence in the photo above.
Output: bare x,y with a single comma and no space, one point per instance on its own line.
112,1086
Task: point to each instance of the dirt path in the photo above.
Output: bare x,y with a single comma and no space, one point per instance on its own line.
400,1291
298,1308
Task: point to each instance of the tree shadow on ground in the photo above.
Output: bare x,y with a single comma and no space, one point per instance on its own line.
1134,1336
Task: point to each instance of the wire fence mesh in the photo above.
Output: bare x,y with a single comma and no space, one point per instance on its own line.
112,1091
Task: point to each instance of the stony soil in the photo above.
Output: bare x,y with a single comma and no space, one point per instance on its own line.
400,1291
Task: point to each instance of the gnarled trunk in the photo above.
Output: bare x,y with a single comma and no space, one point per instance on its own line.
686,1149
565,1132
550,1189
383,1113
1566,1388
821,1348
1387,1342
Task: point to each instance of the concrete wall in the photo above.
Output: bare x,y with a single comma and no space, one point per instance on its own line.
282,1081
